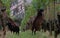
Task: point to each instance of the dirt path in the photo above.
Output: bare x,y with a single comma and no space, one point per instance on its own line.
1,34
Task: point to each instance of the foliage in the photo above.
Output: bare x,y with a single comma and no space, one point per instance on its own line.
30,11
41,4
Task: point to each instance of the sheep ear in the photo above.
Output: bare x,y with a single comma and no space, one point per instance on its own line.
40,10
3,9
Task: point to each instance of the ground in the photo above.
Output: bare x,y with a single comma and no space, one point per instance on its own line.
28,34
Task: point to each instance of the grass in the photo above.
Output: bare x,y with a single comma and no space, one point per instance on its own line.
11,35
27,34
